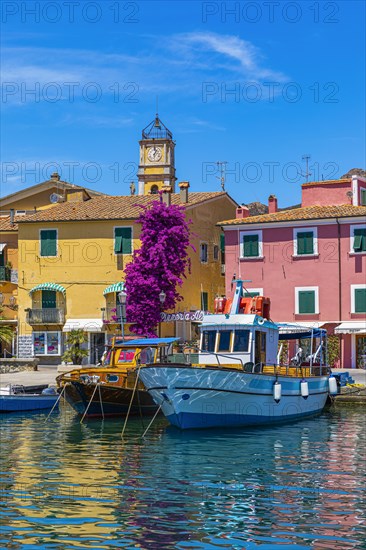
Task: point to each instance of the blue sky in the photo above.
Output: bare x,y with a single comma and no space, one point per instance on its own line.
255,84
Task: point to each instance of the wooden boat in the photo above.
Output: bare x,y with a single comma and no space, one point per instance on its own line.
17,398
238,380
112,388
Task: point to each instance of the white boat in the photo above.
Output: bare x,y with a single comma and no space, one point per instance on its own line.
238,380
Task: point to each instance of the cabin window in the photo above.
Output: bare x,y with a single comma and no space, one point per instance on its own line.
123,240
241,340
208,340
126,356
147,355
224,342
48,242
112,378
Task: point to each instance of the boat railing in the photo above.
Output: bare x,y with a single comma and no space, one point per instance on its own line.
218,355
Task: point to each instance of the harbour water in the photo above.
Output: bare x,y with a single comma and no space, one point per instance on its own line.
65,485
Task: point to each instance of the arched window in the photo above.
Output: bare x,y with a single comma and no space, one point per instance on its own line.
154,190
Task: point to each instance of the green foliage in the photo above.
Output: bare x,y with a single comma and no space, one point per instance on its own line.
74,353
334,349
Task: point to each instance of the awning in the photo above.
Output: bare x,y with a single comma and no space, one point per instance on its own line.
298,331
351,327
88,325
49,286
116,287
2,246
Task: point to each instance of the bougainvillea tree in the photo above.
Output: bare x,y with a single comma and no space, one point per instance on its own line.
159,265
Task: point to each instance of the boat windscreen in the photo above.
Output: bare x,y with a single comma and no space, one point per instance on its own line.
241,340
208,340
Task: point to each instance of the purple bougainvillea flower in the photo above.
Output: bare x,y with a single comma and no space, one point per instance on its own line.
159,265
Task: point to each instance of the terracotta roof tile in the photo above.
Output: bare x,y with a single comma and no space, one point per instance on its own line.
5,224
110,207
306,213
326,182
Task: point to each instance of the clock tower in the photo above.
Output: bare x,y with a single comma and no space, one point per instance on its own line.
157,165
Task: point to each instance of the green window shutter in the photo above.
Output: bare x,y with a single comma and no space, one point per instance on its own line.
250,294
360,300
363,197
204,301
305,242
306,301
359,241
123,240
251,246
48,299
2,258
222,242
48,242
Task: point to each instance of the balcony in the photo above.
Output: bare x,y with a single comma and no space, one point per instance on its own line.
51,316
5,273
112,314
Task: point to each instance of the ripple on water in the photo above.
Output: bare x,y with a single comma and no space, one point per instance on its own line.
67,486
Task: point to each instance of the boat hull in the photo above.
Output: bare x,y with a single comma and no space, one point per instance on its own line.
107,400
26,402
208,397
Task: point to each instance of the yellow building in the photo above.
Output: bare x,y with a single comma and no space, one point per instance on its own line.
13,208
71,268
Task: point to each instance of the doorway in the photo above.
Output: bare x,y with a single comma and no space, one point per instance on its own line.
96,347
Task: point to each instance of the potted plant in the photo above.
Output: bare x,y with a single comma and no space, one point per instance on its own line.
74,353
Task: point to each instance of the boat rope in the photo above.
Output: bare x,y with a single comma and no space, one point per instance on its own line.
91,399
57,400
153,418
101,402
130,404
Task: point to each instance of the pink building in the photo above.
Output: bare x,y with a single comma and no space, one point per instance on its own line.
310,261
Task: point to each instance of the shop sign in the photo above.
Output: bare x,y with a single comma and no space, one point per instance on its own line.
196,316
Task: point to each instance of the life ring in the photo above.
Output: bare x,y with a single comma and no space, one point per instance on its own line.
260,321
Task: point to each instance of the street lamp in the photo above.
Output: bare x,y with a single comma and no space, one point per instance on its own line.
162,298
122,296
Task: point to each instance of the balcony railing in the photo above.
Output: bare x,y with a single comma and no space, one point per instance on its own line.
112,314
51,316
5,273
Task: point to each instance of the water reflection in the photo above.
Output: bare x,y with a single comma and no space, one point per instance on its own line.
66,485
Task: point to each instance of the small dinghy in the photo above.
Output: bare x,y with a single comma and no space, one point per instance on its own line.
14,398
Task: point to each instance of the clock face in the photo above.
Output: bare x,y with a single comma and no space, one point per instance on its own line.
154,154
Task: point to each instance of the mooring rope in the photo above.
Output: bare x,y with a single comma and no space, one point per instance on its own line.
57,400
91,399
101,402
130,405
153,418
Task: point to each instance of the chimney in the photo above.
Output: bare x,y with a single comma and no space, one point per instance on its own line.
183,195
167,194
11,216
55,176
242,212
272,204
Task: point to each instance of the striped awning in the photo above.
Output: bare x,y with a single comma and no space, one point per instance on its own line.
49,286
116,287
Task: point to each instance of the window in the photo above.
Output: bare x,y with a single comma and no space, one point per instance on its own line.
222,247
363,197
305,242
241,340
204,253
48,242
123,240
48,299
224,340
358,298
46,343
358,239
204,301
208,340
215,252
251,244
306,300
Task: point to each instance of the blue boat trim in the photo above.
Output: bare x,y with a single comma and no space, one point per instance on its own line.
181,388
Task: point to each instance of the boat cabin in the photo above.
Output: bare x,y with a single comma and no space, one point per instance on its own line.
238,339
